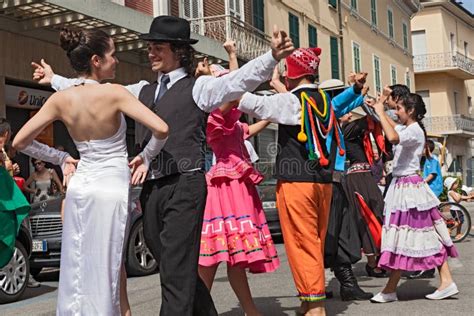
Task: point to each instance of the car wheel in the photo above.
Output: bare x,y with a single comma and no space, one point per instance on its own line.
14,276
35,271
140,261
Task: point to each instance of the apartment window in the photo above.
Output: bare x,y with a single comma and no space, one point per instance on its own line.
356,56
378,85
452,41
390,23
456,98
469,105
312,36
373,12
466,50
393,74
236,9
333,3
354,5
405,35
418,42
408,80
258,15
425,95
191,9
334,58
294,29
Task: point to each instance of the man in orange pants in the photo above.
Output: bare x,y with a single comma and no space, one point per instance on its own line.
310,146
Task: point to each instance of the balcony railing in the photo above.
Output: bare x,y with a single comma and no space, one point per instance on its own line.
454,124
250,41
443,60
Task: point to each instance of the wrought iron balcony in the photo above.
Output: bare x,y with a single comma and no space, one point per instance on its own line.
250,41
455,124
444,62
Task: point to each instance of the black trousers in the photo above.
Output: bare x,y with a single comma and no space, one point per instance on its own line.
173,209
342,244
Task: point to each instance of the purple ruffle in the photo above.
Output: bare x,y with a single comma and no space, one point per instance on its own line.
413,179
414,218
391,261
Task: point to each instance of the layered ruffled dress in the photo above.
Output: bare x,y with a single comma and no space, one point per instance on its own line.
414,235
234,228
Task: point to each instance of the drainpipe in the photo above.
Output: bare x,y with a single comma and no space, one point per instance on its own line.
341,39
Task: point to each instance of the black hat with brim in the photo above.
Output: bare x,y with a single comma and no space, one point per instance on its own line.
165,28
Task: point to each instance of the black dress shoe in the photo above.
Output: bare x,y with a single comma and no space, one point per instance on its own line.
372,273
423,274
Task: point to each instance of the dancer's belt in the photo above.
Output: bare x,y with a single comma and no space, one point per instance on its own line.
358,167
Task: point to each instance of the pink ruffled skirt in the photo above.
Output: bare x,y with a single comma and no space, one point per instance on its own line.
414,235
235,229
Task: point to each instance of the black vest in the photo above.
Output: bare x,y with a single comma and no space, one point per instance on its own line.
185,147
292,162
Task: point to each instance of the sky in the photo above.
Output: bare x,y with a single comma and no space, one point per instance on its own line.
468,4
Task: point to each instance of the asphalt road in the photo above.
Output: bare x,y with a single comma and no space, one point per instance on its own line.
275,294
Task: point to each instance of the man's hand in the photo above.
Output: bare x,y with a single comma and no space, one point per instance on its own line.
230,47
16,169
139,170
69,168
281,44
365,90
42,73
360,80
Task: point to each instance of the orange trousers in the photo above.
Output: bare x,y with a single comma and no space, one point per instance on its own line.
304,212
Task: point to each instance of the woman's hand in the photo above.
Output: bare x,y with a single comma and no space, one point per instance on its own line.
69,168
139,170
16,169
376,105
230,47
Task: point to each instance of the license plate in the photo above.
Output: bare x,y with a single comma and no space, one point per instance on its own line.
40,246
269,204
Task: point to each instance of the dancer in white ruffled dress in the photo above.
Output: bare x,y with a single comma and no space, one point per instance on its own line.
96,208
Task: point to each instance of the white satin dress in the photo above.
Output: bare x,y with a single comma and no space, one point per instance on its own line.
95,221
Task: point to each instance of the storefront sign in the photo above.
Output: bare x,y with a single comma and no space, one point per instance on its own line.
25,98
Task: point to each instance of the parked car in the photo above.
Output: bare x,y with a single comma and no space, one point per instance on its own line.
14,276
267,192
46,227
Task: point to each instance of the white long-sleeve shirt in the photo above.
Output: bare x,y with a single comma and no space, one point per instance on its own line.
208,92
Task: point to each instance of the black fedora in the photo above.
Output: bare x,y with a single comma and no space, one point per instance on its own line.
165,28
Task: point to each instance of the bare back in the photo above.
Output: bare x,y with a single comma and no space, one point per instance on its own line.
90,111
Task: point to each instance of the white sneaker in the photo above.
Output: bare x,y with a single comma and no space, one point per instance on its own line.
384,297
451,290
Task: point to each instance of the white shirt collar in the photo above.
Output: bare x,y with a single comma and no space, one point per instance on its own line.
305,86
174,75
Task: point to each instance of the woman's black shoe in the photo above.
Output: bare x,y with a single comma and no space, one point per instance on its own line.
423,274
372,273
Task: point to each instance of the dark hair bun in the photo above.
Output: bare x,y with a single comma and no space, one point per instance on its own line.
69,39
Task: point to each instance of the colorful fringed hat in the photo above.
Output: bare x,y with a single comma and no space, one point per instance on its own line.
303,62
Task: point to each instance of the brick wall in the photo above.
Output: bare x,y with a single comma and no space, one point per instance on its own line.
214,7
145,6
174,7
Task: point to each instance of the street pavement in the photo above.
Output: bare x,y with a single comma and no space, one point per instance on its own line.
274,293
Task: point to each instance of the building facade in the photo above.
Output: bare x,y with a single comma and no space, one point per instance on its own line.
443,49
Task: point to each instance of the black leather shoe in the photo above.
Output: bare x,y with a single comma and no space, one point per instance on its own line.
423,274
372,273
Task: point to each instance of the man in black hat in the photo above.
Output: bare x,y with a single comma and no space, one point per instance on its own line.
174,195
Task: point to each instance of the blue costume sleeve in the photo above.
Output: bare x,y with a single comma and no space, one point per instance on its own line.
346,101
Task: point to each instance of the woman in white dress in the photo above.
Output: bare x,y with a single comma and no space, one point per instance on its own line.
96,205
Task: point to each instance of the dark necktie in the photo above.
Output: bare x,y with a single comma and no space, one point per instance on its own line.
165,79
